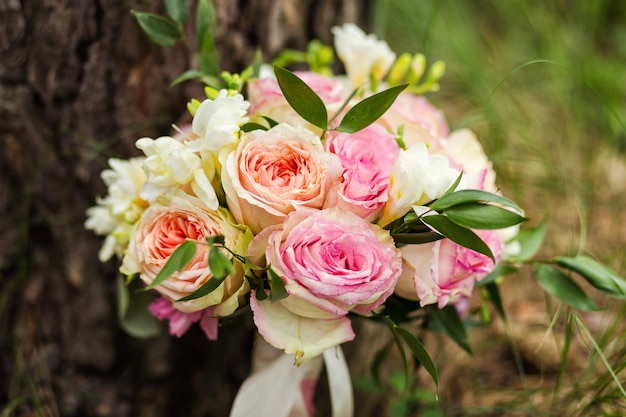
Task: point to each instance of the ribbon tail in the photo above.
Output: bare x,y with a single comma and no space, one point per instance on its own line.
276,387
339,382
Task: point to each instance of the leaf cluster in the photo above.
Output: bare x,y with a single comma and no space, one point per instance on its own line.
311,108
455,215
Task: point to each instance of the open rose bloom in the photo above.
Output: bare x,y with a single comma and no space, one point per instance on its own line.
316,197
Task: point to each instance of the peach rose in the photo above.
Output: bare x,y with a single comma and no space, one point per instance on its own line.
161,229
273,172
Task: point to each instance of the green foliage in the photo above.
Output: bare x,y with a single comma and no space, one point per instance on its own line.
560,285
530,241
420,352
462,197
449,320
302,98
177,10
416,347
221,267
178,260
482,216
132,310
367,111
205,38
597,274
160,30
277,285
168,30
458,234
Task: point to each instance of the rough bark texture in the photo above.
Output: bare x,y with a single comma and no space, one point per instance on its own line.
79,83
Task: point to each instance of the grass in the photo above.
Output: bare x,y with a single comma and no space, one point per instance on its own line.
544,86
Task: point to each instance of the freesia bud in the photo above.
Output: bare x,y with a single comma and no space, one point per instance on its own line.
418,66
399,69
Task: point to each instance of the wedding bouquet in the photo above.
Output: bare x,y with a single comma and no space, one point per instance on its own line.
313,198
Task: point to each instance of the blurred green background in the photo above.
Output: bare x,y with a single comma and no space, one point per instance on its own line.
543,84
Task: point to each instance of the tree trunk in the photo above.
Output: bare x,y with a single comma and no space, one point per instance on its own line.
79,83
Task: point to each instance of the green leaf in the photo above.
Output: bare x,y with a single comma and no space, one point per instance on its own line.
208,287
133,313
205,40
177,9
221,266
377,361
499,271
416,238
160,30
530,241
597,274
459,235
398,309
271,122
448,318
260,294
452,187
250,126
278,287
471,196
494,296
302,98
369,110
561,286
398,408
186,76
398,341
178,260
215,240
482,216
420,352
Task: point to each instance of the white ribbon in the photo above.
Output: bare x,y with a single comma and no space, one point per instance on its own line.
278,388
339,382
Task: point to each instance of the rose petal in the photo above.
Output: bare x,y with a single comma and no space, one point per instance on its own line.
306,338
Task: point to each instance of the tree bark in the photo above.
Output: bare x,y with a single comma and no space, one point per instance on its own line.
79,83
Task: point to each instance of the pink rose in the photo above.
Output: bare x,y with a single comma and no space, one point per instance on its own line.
367,157
271,173
443,272
267,99
180,322
332,262
161,229
421,121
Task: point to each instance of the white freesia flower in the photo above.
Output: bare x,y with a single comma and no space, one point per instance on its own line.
115,214
362,55
416,178
170,164
217,122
